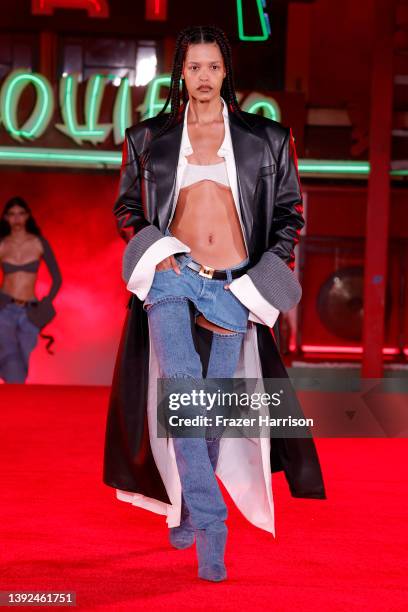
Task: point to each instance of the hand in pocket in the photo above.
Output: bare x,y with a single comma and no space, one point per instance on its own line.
167,263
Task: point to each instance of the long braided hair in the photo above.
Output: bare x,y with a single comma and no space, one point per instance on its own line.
190,36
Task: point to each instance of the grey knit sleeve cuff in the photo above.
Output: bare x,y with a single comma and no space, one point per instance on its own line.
276,282
136,247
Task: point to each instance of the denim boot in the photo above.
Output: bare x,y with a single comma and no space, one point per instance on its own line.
182,536
210,546
180,364
211,542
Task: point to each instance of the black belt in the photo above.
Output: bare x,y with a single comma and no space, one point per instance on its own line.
208,272
23,302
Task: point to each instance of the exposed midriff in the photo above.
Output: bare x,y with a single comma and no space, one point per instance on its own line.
207,221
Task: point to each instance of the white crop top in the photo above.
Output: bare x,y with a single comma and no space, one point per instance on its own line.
212,172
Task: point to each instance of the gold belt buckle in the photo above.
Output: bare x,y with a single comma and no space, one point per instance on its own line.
206,271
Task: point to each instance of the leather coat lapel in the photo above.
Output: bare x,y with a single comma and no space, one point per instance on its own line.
248,153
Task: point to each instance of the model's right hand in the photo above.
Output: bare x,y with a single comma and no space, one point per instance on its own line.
169,262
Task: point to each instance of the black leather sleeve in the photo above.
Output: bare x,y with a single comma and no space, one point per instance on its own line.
273,274
128,209
53,267
288,217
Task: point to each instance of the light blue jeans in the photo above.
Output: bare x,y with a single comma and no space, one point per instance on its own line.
218,305
18,337
170,329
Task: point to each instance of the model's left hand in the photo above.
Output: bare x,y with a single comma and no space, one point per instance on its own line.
226,286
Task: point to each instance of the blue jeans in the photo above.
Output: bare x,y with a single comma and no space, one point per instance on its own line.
218,305
18,337
170,330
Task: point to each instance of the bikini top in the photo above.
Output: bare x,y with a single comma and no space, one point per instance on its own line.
213,172
31,266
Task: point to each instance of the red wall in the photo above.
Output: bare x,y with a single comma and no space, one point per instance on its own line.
341,210
74,211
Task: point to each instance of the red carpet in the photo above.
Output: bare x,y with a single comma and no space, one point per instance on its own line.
63,530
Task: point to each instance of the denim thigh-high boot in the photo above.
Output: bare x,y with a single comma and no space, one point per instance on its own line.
170,328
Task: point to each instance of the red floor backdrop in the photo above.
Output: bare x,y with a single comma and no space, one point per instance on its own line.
74,212
61,528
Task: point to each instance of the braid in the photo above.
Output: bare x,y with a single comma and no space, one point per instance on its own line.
195,35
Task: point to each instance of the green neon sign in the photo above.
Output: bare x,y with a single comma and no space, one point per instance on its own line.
268,106
315,166
122,111
59,157
112,159
153,103
262,20
91,131
12,88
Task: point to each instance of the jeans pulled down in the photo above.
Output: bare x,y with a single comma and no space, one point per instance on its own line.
171,334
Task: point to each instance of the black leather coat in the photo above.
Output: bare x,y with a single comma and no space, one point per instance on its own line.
146,193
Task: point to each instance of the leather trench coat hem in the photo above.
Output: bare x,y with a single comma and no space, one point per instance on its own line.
129,464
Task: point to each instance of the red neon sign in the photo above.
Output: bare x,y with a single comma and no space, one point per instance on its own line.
94,8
